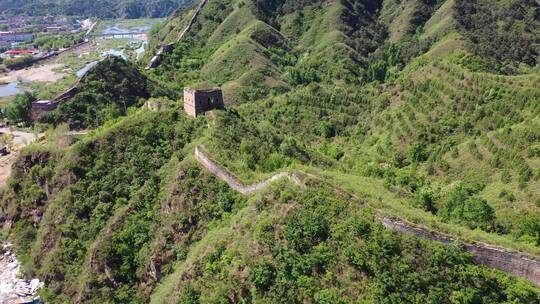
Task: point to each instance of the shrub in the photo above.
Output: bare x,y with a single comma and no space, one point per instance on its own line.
305,228
534,151
332,150
14,61
418,152
20,109
326,129
529,229
426,198
262,274
463,207
275,162
189,295
327,296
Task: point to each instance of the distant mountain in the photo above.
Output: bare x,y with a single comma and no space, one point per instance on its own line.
99,8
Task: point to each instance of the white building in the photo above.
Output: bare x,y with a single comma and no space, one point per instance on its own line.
16,37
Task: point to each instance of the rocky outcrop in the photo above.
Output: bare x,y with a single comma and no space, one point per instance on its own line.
226,176
491,256
155,106
13,289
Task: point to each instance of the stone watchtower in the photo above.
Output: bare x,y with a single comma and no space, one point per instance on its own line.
197,102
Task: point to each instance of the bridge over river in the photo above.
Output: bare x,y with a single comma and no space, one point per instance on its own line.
117,35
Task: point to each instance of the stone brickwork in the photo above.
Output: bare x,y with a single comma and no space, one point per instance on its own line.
227,177
499,258
197,102
43,106
514,263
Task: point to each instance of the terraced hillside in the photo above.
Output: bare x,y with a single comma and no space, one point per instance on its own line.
240,46
379,109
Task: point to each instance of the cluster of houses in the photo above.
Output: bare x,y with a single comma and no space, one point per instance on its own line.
40,23
9,38
21,29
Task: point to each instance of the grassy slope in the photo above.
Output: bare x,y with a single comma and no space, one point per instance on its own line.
454,86
441,21
240,48
398,15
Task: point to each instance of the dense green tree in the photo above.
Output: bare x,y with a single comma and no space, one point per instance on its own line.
20,109
262,274
106,92
502,32
461,205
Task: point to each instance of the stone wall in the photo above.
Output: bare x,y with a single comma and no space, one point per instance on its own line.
67,94
491,256
227,177
502,259
168,48
39,107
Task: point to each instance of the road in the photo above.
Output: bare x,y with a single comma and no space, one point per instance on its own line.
20,138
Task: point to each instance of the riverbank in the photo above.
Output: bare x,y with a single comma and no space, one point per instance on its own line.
13,289
43,73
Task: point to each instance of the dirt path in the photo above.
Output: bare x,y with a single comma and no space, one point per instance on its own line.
20,140
491,256
42,73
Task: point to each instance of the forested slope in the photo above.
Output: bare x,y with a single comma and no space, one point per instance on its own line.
384,108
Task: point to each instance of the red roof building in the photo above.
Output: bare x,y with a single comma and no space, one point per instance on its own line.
20,52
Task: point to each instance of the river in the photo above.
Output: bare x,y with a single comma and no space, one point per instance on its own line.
10,89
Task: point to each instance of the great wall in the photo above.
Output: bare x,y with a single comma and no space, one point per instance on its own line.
50,105
226,176
499,258
167,48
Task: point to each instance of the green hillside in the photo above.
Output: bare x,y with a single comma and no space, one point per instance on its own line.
421,110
